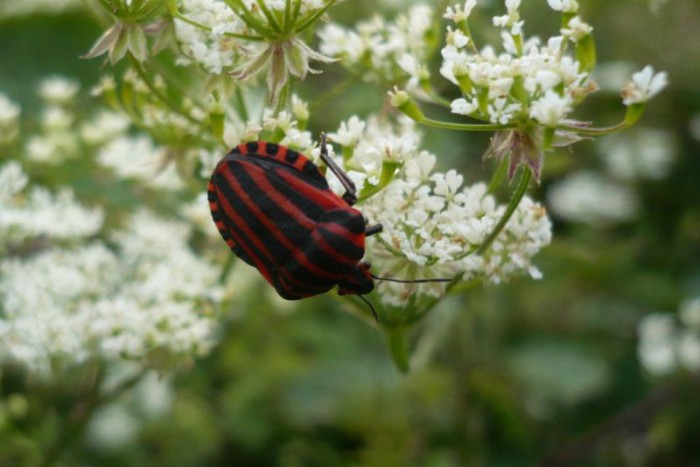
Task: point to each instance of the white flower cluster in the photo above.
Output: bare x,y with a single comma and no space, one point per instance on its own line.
213,34
528,79
27,213
380,50
137,158
666,345
58,141
433,225
209,48
65,306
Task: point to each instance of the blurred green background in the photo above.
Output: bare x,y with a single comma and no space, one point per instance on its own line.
533,372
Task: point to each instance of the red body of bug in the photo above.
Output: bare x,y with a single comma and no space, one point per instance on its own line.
274,209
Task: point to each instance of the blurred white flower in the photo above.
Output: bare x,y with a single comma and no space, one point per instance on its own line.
592,199
103,127
576,29
689,313
58,90
460,13
383,51
36,212
645,153
118,424
568,6
666,345
656,344
689,350
65,306
136,157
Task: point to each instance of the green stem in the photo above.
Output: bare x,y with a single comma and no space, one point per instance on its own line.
397,340
464,126
315,17
240,105
510,209
270,17
248,18
595,131
498,175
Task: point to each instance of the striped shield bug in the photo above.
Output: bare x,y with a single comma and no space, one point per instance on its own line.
276,212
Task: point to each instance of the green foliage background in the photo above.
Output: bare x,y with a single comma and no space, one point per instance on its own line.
525,373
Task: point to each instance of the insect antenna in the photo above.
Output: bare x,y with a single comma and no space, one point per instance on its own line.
410,281
350,190
371,307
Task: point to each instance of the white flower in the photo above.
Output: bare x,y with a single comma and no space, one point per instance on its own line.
58,89
300,109
460,13
349,132
576,29
550,109
644,85
456,38
502,112
462,106
566,6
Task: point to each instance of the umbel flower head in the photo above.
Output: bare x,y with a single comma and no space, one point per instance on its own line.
434,225
527,88
247,38
238,37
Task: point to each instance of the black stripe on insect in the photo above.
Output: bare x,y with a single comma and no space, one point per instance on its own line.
276,212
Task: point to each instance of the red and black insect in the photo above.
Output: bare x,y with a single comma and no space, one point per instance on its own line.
274,209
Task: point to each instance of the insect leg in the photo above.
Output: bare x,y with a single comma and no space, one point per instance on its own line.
373,229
